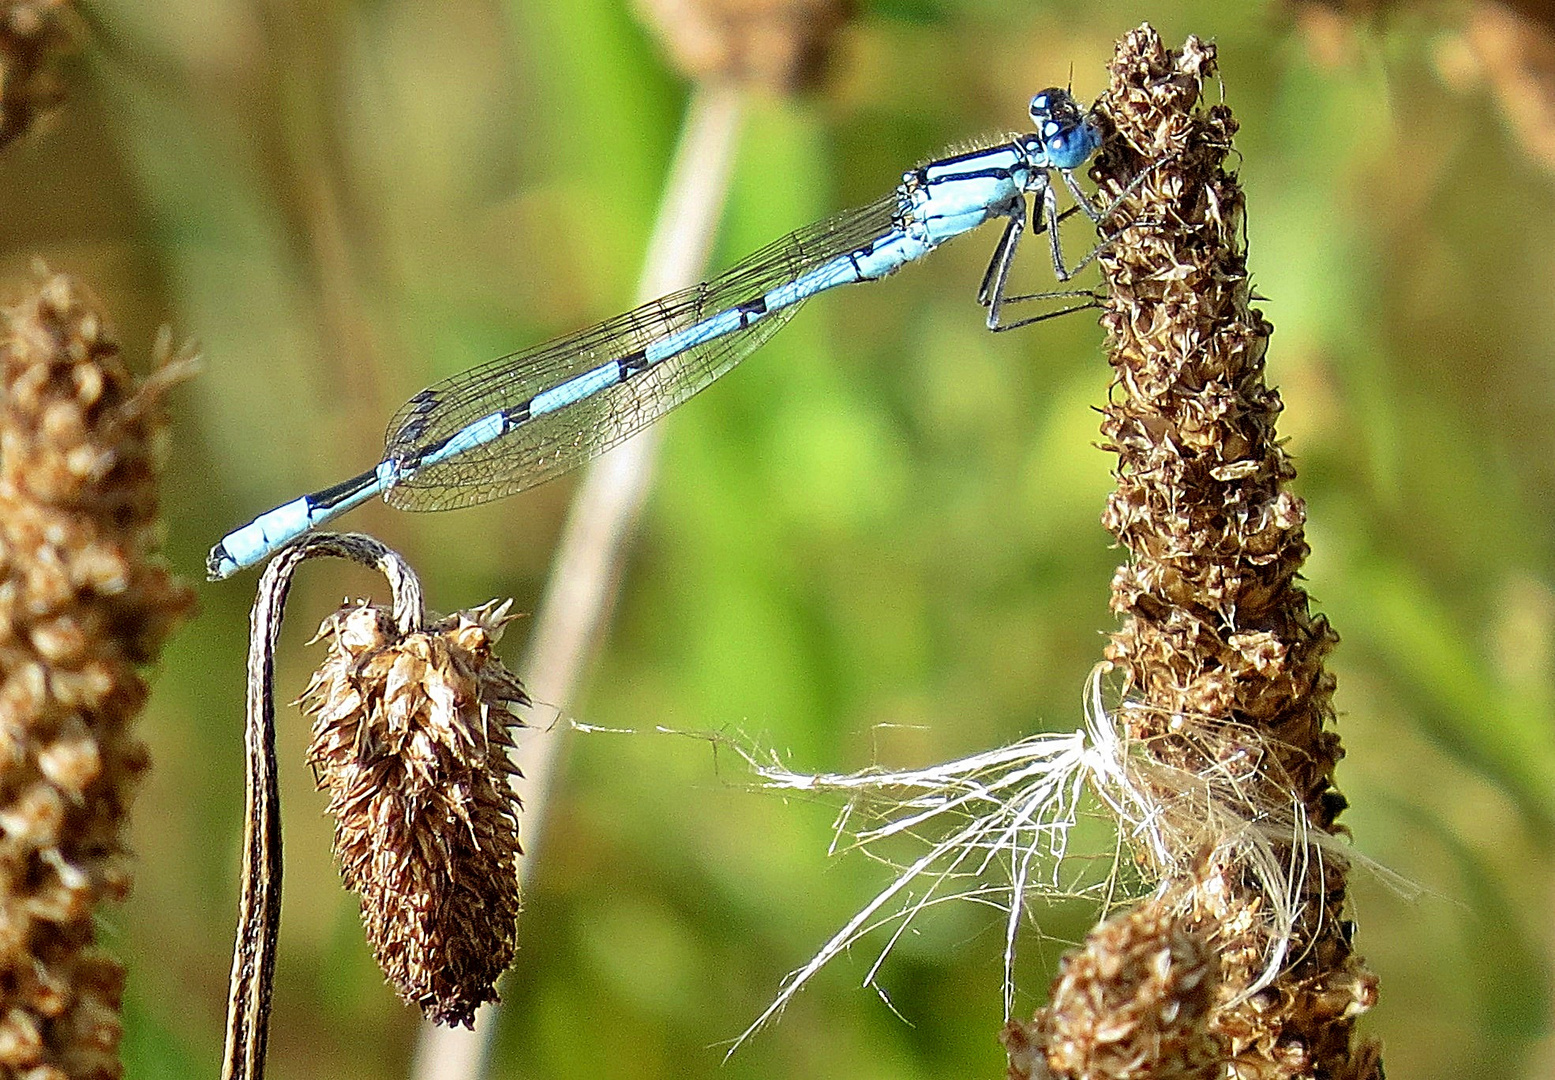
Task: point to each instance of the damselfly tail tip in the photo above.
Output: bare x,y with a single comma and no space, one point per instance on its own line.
219,566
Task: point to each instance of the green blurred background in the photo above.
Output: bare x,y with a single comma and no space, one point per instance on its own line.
886,517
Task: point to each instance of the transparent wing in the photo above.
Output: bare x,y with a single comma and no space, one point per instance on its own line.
554,443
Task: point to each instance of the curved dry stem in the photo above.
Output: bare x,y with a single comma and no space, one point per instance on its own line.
259,907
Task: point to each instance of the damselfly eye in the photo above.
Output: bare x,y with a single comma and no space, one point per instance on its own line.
1051,103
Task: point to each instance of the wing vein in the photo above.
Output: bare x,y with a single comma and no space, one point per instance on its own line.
632,393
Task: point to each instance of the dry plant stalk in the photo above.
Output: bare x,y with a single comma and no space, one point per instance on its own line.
85,603
1225,690
34,34
781,45
411,738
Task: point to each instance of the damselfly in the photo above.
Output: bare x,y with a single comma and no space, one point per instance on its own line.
512,423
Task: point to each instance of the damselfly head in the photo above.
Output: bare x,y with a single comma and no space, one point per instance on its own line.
1067,133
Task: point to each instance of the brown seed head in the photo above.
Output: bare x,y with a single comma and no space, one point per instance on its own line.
83,603
1132,1003
34,34
1221,655
1217,627
411,738
777,44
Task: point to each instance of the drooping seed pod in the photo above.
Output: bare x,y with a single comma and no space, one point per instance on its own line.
411,739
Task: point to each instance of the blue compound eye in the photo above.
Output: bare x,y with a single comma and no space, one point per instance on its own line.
1045,103
1067,135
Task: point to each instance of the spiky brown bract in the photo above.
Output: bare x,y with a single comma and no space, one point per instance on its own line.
1221,657
84,603
781,45
411,740
33,35
1130,1004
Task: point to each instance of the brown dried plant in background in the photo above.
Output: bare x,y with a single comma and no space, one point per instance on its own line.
1513,55
84,604
781,45
1226,701
34,34
411,738
1505,47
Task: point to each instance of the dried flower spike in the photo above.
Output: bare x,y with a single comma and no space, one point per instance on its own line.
84,602
1130,1003
33,35
411,738
1222,660
781,45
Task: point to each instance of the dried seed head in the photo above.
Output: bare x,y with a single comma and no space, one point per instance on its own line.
83,603
34,34
411,738
1217,627
1132,1003
778,44
1222,656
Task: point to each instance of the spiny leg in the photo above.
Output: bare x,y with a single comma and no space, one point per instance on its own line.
991,294
1084,203
1001,278
1092,301
1083,200
1037,226
1055,245
1052,217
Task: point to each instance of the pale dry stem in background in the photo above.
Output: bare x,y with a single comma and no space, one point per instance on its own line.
725,47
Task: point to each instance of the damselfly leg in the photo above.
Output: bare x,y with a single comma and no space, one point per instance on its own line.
991,293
